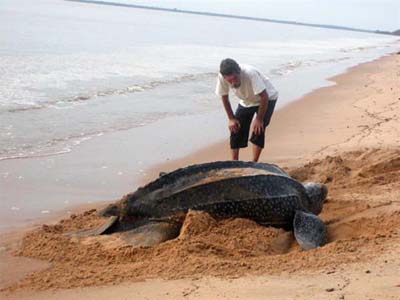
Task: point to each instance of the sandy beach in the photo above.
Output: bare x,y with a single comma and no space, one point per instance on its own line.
346,136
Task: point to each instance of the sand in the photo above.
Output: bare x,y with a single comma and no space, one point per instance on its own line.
346,136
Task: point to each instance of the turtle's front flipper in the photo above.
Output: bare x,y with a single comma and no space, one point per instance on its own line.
108,227
152,233
309,230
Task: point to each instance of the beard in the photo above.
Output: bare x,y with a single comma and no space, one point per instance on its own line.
236,85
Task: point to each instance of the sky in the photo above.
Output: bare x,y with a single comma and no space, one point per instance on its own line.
363,14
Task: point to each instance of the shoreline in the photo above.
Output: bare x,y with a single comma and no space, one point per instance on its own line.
274,153
280,150
367,120
105,168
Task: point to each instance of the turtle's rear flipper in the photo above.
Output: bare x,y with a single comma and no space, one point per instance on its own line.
152,233
108,227
309,230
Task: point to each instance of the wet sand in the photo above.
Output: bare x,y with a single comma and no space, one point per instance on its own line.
347,136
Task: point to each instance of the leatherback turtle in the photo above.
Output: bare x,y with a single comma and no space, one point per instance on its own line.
258,191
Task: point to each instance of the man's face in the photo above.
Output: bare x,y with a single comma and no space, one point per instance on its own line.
233,79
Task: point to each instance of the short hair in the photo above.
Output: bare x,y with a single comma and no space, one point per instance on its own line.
228,67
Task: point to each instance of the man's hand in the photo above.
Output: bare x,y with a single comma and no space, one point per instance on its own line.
258,126
233,125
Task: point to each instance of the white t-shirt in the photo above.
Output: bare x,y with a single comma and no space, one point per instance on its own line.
252,84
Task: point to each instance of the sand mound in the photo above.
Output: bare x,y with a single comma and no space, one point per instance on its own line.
362,213
234,236
357,168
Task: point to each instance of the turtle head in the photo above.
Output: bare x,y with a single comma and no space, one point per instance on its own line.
316,193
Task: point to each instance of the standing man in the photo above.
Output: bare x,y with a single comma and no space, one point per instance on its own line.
257,96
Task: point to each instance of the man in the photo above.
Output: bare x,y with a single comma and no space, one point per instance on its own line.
257,96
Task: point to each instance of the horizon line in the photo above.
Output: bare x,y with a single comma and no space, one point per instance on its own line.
212,14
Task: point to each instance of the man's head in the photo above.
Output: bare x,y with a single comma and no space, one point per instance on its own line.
230,70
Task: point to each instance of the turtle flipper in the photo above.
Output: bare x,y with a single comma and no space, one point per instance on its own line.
152,233
309,230
107,227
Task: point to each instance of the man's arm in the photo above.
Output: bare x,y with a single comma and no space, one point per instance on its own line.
258,126
234,124
227,106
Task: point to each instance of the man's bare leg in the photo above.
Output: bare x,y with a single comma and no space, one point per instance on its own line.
235,154
256,152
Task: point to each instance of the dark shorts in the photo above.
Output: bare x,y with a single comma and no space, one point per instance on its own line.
245,115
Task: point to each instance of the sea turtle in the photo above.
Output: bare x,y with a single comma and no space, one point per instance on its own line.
258,191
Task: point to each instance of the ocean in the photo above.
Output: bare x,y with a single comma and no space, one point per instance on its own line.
74,73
